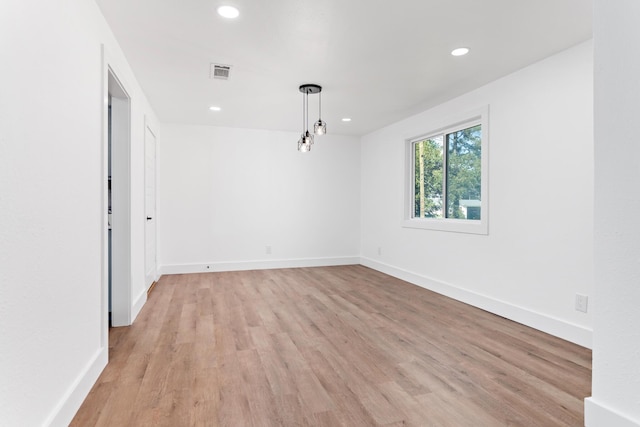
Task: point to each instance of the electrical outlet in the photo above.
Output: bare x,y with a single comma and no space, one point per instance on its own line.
267,249
582,303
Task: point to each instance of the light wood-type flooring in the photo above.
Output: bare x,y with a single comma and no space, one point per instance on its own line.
330,346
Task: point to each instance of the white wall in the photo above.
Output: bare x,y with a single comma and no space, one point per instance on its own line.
225,194
615,397
51,332
539,250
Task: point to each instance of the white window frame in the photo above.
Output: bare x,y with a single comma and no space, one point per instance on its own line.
462,121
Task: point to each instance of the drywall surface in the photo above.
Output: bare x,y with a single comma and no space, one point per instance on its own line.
53,330
616,334
539,250
240,199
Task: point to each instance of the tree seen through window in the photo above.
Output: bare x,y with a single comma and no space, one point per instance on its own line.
448,173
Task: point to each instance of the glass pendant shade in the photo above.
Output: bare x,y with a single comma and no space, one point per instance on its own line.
320,127
305,142
303,148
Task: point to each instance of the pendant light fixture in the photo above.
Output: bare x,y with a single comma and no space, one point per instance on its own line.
320,128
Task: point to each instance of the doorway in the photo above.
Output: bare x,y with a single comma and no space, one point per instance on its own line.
118,185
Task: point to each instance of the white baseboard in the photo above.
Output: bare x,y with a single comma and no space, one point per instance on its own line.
70,402
256,265
599,415
138,304
574,333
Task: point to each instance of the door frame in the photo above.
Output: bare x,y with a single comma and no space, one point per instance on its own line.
114,85
150,280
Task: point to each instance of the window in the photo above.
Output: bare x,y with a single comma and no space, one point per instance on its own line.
447,174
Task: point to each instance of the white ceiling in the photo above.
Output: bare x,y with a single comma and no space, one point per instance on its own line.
378,60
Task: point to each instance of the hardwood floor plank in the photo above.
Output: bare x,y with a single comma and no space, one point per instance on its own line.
366,392
454,409
349,410
329,346
234,409
291,410
206,398
259,394
312,395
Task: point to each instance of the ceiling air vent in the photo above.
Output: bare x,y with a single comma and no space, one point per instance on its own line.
219,71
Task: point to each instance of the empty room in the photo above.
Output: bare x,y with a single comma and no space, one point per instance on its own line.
339,213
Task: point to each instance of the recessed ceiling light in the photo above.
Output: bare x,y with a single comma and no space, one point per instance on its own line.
460,51
346,119
215,108
229,12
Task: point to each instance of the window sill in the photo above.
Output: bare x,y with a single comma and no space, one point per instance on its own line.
450,225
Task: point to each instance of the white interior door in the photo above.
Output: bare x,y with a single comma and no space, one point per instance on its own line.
150,206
